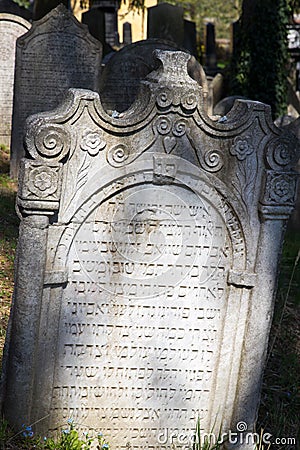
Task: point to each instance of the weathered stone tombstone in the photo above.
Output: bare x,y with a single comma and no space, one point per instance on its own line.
147,264
57,53
11,27
122,75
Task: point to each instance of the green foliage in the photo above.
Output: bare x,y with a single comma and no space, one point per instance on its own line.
68,439
23,3
259,69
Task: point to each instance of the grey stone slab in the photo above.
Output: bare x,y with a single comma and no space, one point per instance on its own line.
11,27
147,264
122,75
56,54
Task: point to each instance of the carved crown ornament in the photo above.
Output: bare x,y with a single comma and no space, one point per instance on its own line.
169,117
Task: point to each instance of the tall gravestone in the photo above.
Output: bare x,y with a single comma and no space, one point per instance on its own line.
210,50
147,264
122,75
57,53
11,27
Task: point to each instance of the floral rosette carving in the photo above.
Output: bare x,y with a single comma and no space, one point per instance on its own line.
283,152
281,189
242,148
43,181
92,142
52,141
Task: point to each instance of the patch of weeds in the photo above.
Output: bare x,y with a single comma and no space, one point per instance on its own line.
4,158
68,439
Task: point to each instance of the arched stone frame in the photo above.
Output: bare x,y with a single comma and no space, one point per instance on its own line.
240,278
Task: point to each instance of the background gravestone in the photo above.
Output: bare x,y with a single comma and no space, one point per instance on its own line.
210,50
57,53
109,9
121,76
11,27
127,34
165,21
190,37
147,264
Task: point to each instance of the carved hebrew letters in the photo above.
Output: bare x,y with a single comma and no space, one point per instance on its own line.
143,305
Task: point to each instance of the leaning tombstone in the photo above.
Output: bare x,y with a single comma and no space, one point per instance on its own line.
122,75
57,53
11,27
147,265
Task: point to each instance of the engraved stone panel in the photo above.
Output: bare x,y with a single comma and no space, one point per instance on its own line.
57,53
141,327
11,27
147,264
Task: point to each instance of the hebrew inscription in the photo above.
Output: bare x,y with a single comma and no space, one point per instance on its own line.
141,325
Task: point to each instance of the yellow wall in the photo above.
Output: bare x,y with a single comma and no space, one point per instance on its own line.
138,21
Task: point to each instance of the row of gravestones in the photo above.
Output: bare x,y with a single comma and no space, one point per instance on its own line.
56,53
